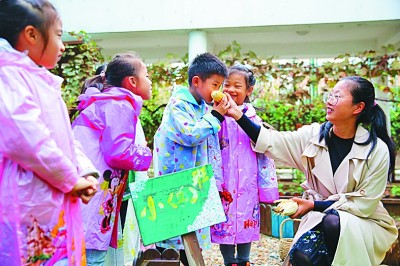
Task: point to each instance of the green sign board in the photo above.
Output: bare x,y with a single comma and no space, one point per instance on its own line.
177,203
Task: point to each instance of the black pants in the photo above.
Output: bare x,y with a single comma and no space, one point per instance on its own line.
321,250
122,212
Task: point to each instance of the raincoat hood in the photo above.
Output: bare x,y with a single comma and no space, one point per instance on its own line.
93,94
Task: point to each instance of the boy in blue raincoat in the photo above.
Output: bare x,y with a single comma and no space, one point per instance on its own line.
187,136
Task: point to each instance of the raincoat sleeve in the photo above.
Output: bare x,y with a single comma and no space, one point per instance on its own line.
85,165
117,141
25,139
186,129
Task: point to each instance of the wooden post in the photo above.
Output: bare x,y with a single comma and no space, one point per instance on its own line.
265,219
192,249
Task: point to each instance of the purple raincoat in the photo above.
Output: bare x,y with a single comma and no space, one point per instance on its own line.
39,163
249,177
106,128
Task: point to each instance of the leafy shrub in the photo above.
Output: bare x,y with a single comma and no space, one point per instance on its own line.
79,62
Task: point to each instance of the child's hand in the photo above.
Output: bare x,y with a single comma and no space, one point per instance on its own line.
85,188
221,106
226,195
233,110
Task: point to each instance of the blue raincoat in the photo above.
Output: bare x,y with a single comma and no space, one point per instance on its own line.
186,138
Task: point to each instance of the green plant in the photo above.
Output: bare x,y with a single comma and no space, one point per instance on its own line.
298,178
395,123
395,190
287,93
287,117
79,62
165,75
292,188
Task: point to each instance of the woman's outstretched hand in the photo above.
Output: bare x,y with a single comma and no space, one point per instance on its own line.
233,110
221,106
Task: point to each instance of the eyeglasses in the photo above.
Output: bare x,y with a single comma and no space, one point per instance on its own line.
333,99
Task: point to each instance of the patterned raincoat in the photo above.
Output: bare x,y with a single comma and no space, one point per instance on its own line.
39,162
186,138
249,177
106,127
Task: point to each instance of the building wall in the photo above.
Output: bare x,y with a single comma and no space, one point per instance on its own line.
280,28
151,15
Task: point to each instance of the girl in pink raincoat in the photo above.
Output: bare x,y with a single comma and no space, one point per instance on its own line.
109,109
248,177
42,168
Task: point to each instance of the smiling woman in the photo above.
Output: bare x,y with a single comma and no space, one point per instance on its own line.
347,168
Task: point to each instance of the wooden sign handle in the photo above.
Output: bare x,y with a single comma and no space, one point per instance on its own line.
192,249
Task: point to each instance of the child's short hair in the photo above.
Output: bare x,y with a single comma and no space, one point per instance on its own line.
206,64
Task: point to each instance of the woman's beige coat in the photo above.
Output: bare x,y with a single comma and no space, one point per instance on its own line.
367,231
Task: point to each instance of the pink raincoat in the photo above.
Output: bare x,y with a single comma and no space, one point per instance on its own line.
39,158
106,128
248,177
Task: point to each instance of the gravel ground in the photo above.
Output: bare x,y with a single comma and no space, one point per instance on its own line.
264,252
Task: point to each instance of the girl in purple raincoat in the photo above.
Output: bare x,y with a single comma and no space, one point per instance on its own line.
42,168
248,177
109,109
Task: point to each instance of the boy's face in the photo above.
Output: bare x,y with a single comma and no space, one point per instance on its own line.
202,89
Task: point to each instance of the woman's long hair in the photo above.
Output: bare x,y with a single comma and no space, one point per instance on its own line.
372,116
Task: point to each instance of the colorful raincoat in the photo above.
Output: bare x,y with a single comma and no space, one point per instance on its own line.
183,141
248,179
106,126
39,163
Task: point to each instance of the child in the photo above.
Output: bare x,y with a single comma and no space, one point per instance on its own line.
249,177
109,107
42,169
181,141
